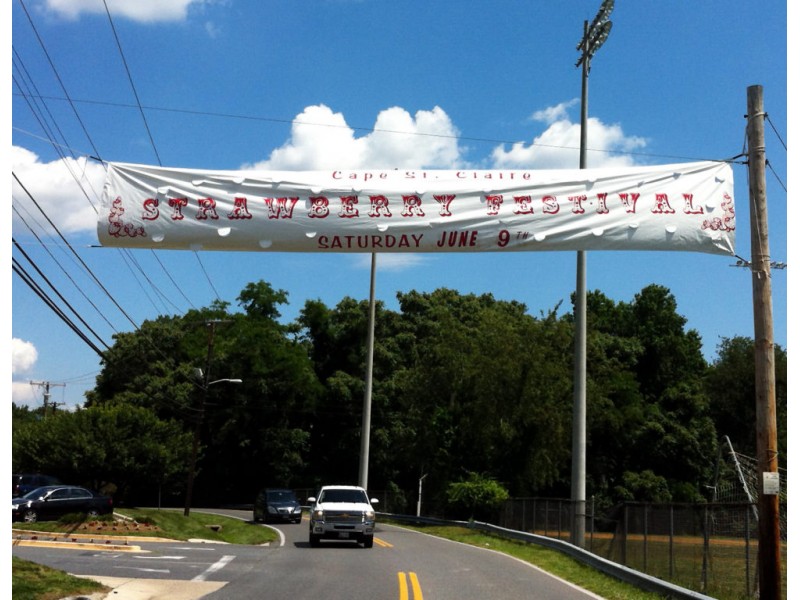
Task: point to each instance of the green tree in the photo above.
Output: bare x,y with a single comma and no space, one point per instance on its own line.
730,383
115,448
258,427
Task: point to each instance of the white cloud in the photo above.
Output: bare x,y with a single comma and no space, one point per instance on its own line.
24,394
399,261
555,113
54,188
23,356
558,146
145,11
322,139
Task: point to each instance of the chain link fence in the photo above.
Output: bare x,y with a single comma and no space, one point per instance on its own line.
709,548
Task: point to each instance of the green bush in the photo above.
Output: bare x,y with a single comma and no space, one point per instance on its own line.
478,496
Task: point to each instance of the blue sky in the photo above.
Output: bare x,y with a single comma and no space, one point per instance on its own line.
319,84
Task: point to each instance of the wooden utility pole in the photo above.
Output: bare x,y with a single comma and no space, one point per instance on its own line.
769,539
47,385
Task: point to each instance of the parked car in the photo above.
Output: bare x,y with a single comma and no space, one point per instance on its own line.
277,505
22,483
342,512
53,501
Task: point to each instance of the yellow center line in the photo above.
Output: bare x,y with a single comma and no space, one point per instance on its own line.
383,543
401,579
403,584
415,586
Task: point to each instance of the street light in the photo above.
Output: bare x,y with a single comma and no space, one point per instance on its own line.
419,497
196,440
594,36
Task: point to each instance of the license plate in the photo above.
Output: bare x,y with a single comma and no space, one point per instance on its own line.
344,535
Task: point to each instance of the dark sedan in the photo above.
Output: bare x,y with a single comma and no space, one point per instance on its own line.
53,501
277,505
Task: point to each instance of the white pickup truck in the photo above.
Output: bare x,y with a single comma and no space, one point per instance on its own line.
342,512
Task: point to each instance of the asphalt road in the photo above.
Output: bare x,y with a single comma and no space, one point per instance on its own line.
402,564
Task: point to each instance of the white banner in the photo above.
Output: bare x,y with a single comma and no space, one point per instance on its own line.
680,207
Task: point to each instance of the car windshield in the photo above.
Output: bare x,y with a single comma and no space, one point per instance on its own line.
281,496
344,496
37,493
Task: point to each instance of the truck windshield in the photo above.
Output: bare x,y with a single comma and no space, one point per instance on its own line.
354,496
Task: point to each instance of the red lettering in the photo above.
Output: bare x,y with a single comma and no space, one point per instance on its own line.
412,206
523,205
379,206
280,208
177,205
444,201
550,205
319,207
493,202
240,209
349,209
629,202
689,208
150,207
577,204
662,205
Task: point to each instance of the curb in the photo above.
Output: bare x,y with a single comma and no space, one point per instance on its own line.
108,547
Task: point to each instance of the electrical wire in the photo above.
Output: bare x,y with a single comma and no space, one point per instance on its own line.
19,270
58,77
53,288
63,270
130,79
85,266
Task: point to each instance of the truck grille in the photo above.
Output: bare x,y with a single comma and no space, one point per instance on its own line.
343,516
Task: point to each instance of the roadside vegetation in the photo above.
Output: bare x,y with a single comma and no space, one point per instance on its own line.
170,524
470,393
548,560
32,581
462,384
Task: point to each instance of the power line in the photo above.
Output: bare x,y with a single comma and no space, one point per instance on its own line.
63,270
58,77
388,131
19,270
130,79
85,266
52,287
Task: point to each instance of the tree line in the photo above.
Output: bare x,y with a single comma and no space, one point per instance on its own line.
464,386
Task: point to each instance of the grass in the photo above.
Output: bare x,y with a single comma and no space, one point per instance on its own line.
170,524
549,560
31,581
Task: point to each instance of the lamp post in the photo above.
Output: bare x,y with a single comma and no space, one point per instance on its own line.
199,423
419,496
366,416
594,36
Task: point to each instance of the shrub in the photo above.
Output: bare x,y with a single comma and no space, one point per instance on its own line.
477,496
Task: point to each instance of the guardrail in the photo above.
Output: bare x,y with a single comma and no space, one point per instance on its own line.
621,572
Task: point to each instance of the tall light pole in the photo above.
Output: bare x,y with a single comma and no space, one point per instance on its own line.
594,36
366,416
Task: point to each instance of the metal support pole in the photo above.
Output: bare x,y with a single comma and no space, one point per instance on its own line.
769,542
594,36
363,471
578,537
